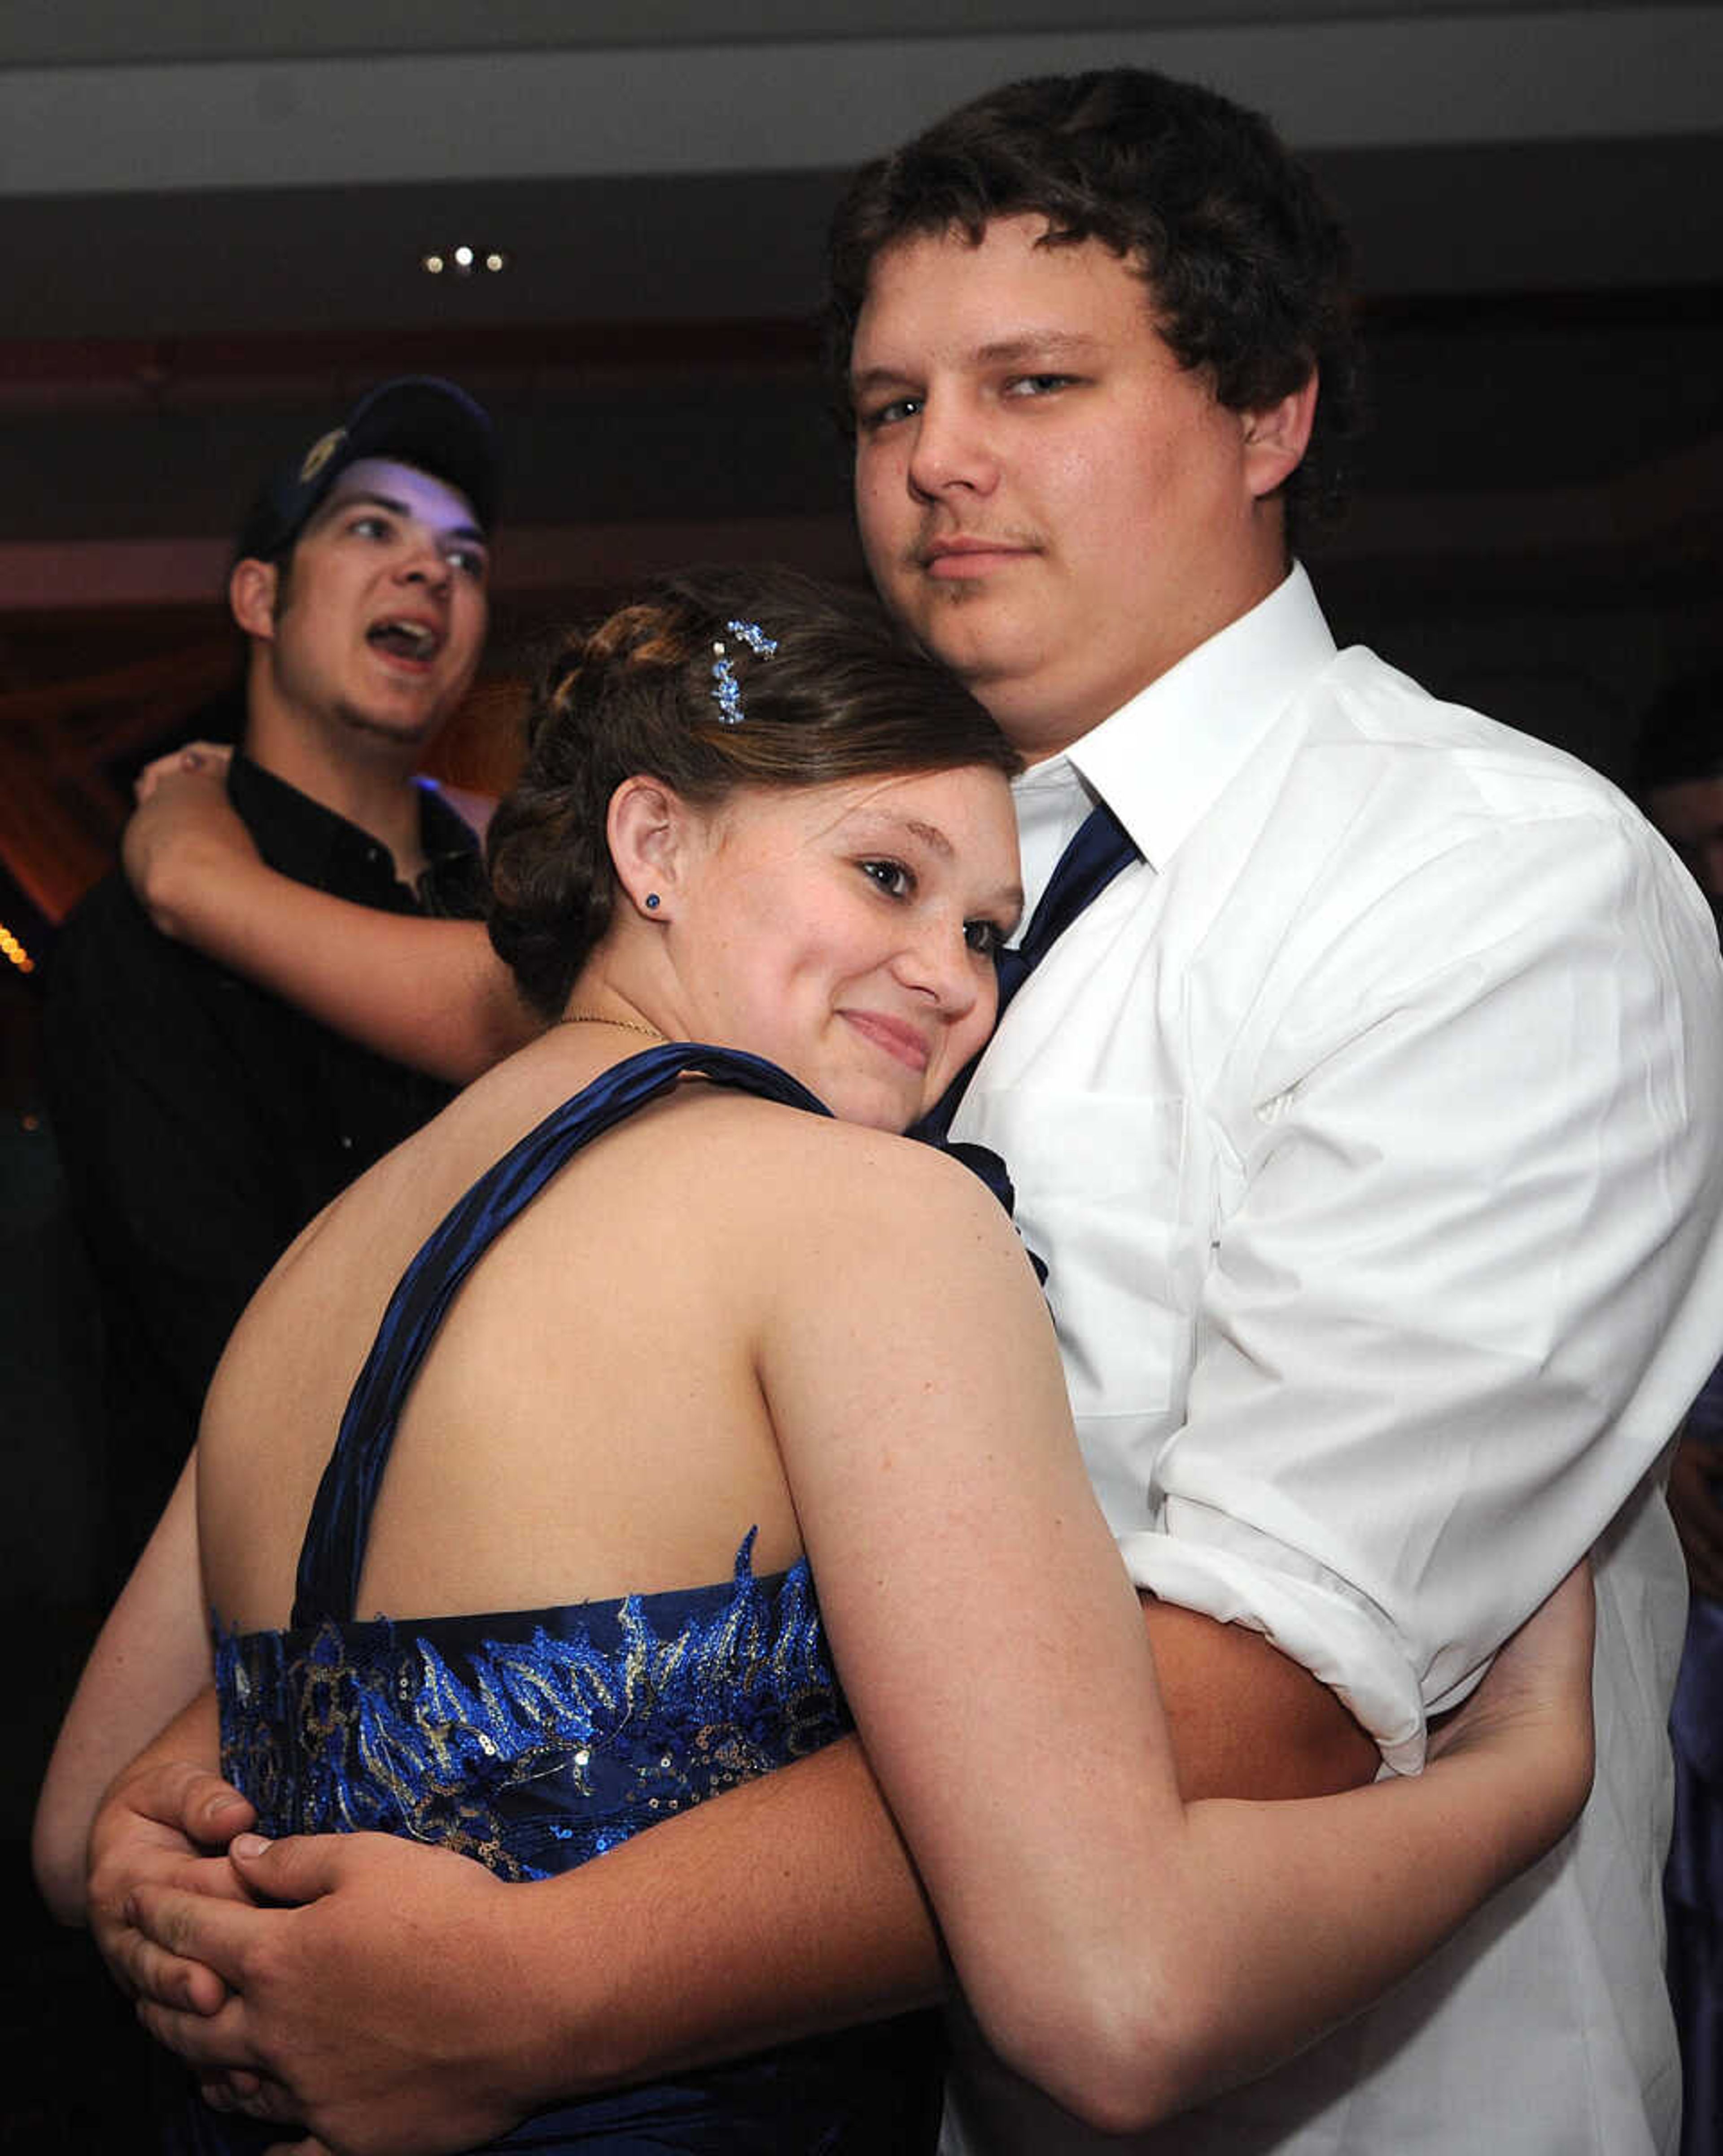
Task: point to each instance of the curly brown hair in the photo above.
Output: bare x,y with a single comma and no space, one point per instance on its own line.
1245,265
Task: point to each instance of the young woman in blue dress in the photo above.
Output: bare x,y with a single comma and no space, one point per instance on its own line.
634,1334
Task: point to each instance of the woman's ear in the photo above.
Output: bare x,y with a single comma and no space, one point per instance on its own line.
251,597
653,834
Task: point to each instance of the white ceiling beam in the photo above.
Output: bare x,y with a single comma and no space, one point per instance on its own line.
1530,76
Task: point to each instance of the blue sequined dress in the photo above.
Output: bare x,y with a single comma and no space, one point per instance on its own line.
534,1739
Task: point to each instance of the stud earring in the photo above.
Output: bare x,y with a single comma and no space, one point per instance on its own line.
653,901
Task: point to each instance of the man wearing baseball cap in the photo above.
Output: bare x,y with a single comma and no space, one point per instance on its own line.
202,1121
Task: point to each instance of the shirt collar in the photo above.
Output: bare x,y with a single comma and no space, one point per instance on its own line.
300,838
1161,760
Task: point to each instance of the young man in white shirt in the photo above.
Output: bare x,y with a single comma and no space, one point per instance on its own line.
1361,1119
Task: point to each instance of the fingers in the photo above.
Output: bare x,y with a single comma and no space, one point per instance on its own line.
138,1964
211,757
172,1925
215,1811
189,1799
154,1976
221,2049
299,1867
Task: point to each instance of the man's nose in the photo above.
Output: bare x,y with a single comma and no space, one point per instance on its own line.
426,563
952,448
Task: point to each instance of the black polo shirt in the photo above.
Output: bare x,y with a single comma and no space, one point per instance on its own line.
203,1122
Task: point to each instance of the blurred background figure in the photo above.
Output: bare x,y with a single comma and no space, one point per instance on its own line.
202,1121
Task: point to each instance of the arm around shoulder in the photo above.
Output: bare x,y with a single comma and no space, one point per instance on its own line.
427,993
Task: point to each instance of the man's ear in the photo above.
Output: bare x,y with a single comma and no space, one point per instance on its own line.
1276,438
251,597
653,833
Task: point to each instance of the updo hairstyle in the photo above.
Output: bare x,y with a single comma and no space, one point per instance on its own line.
844,697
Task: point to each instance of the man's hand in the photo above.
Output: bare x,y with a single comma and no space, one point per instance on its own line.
162,1826
1695,1500
361,2014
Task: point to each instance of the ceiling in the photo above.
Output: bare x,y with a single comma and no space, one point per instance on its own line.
211,223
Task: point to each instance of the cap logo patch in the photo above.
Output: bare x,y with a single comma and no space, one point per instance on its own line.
320,453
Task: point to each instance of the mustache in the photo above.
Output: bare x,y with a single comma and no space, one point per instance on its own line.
940,531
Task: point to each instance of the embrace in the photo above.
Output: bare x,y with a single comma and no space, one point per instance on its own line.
713,1455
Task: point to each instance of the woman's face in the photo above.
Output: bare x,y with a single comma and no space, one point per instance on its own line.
848,932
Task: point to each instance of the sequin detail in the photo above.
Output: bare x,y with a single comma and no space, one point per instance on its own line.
726,691
530,1741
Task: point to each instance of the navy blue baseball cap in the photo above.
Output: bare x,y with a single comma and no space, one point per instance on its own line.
416,420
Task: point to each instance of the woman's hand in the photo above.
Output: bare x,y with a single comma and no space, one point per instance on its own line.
1534,1707
211,758
182,834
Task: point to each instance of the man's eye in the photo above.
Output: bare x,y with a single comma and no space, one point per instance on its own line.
892,877
985,937
890,413
467,561
1038,385
371,526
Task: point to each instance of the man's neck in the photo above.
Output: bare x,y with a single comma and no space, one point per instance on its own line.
1055,722
375,791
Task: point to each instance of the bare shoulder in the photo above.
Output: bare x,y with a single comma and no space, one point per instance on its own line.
827,1163
799,1200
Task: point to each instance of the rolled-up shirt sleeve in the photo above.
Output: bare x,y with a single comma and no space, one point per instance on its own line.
1470,1159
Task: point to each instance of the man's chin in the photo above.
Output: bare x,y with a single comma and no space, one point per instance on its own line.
404,729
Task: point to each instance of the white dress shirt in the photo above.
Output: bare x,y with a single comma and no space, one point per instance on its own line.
1370,1129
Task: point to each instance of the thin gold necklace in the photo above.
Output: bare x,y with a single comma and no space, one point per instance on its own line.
625,1025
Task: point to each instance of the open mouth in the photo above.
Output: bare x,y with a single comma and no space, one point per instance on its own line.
403,638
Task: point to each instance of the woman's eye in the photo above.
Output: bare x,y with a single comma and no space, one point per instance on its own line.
370,526
892,877
469,562
985,937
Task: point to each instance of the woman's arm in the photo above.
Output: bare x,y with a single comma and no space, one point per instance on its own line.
152,1655
782,1907
430,993
1129,1952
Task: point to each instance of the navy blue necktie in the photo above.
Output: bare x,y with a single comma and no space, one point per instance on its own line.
1088,865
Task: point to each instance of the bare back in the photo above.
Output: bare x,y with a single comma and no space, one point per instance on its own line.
588,1421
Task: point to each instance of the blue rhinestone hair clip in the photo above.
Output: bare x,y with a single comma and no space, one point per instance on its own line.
727,691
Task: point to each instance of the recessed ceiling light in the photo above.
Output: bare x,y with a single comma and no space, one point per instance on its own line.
464,260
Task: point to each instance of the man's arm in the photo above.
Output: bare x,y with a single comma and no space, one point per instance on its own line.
413,2007
1245,1720
1478,1174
